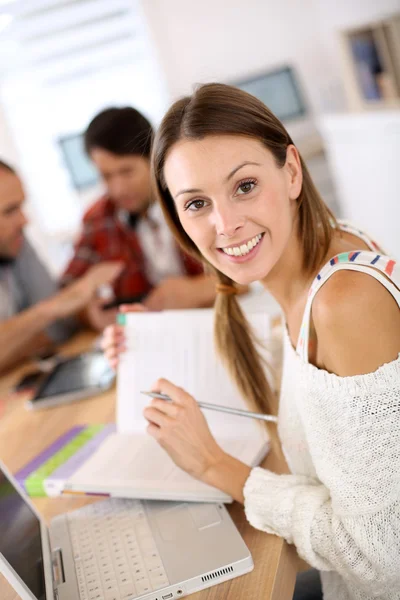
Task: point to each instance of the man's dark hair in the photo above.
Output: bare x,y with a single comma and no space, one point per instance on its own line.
6,167
120,131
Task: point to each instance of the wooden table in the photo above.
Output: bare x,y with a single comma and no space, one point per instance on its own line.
23,434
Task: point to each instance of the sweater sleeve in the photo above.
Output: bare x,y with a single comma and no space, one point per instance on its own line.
347,519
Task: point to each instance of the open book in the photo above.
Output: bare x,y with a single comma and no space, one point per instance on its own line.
126,461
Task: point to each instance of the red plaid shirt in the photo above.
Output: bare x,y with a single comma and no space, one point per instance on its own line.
106,237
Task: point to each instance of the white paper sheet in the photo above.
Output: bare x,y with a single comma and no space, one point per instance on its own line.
179,346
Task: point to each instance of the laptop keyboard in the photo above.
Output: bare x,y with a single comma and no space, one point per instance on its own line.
116,557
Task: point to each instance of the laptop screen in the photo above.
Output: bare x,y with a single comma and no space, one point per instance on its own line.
20,539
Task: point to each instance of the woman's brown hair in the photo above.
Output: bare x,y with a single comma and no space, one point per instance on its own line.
218,109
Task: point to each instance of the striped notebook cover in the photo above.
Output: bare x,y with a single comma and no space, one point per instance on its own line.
62,458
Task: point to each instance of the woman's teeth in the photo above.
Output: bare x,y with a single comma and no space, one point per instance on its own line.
244,248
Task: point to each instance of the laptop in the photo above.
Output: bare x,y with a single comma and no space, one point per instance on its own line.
117,549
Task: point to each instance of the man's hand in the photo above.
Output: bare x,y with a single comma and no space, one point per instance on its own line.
78,294
98,318
102,273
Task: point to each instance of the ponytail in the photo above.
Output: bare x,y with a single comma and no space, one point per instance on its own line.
236,344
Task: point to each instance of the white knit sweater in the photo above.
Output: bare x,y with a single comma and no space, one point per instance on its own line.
341,504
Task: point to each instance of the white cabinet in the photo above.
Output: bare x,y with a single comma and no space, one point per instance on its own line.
364,155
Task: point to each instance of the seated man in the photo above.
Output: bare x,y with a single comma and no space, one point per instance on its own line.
125,225
33,313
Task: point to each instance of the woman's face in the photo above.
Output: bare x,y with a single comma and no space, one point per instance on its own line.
234,202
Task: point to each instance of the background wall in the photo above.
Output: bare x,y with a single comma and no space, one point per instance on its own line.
8,151
216,40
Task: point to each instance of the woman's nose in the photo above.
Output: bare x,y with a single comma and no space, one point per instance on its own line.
227,222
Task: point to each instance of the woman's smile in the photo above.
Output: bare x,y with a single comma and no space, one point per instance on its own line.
242,251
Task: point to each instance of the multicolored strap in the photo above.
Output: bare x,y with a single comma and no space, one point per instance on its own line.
346,226
381,267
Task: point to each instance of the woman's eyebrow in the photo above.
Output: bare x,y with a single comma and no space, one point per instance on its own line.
247,162
189,191
231,174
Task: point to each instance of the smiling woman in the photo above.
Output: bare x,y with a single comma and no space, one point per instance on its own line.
237,195
252,202
226,144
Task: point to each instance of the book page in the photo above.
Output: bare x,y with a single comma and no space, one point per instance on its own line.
136,466
179,346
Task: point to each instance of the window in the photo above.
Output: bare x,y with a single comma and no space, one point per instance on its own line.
75,58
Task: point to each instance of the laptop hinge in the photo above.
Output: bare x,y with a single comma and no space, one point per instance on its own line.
58,567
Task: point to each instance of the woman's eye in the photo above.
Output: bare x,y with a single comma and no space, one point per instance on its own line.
246,187
195,205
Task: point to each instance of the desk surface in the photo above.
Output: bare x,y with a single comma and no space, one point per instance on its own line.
23,434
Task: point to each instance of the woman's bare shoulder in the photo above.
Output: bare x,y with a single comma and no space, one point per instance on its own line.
357,323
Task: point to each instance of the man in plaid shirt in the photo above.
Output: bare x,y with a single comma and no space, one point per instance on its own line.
125,226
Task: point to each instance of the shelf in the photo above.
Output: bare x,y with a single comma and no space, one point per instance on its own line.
371,60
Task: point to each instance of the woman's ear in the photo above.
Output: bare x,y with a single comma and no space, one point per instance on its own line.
294,171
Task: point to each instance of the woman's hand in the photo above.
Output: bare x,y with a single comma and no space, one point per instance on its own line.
181,429
113,340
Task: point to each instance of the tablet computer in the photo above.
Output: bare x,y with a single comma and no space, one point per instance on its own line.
73,379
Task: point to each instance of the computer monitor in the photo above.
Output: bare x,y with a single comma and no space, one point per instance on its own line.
279,90
81,170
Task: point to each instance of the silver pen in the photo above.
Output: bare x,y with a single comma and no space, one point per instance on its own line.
225,409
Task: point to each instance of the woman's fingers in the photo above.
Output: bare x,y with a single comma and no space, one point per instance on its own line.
181,429
168,408
113,363
113,359
112,353
113,331
112,336
154,431
113,343
176,393
156,417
